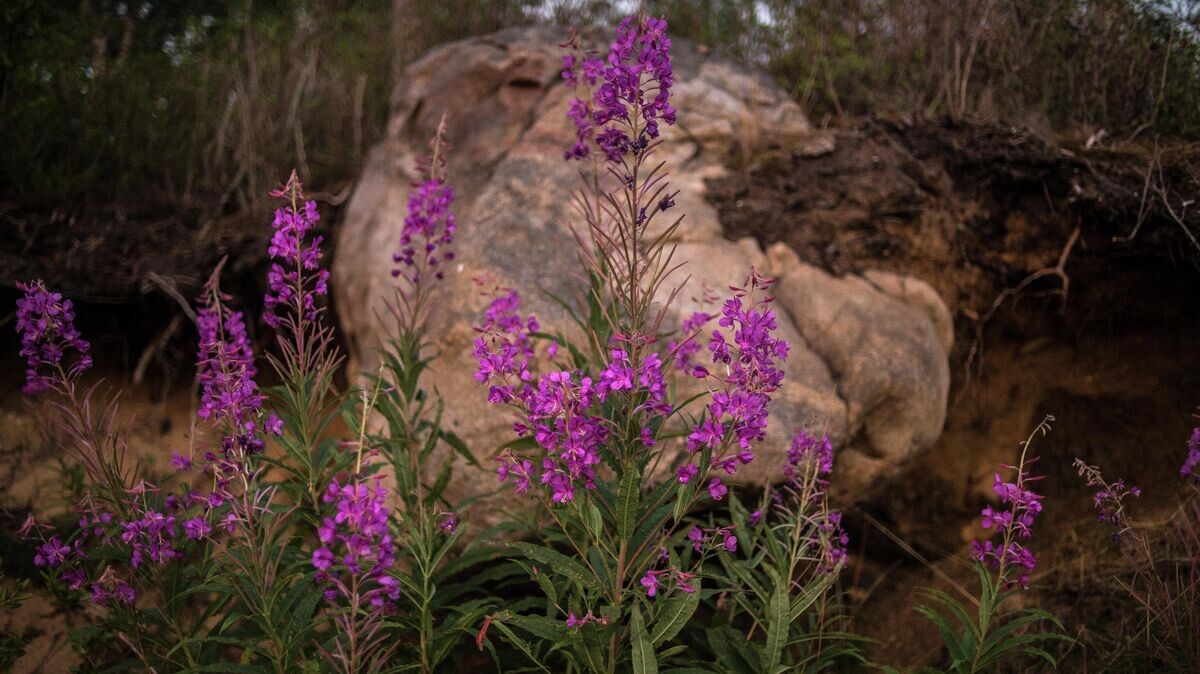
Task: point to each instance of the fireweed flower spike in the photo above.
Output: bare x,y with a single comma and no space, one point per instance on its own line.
625,97
1014,524
424,249
1109,498
809,464
736,417
295,278
46,323
229,397
357,550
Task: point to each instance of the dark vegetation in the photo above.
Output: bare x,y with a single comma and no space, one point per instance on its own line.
973,140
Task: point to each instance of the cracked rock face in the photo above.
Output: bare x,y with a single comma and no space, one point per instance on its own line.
868,362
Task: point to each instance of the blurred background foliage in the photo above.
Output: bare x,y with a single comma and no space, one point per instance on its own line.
166,104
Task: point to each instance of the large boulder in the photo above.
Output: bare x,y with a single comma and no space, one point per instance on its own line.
505,112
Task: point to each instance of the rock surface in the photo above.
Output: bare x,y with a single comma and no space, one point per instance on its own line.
868,363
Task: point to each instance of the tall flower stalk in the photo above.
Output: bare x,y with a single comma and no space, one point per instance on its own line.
307,357
977,640
791,550
1163,561
613,463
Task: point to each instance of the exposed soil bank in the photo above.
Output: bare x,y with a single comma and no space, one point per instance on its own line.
1108,347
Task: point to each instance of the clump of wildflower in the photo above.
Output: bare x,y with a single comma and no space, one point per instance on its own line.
46,323
810,455
1109,498
504,348
809,464
633,94
558,420
620,374
151,536
554,406
295,278
229,397
53,553
225,365
1014,524
429,226
357,551
111,589
737,415
428,231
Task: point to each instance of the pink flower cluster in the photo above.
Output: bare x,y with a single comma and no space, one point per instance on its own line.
635,82
736,417
294,254
1015,524
46,323
357,552
428,231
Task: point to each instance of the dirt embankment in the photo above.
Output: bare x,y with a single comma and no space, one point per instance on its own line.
1073,277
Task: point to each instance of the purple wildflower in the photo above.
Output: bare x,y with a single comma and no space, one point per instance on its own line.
834,542
356,550
1109,498
521,470
634,90
650,582
504,348
196,528
574,622
428,231
52,553
809,456
109,589
688,473
180,462
716,489
1014,525
738,410
295,277
151,536
225,371
46,323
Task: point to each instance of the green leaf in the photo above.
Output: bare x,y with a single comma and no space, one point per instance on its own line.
559,563
778,625
628,495
519,643
1037,652
644,660
451,438
588,644
732,651
542,627
593,519
674,614
951,638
